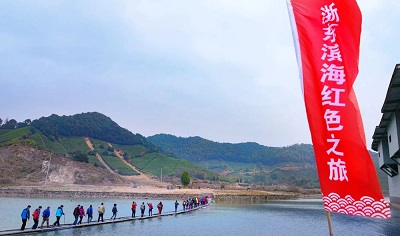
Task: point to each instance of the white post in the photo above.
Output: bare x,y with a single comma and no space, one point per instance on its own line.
47,172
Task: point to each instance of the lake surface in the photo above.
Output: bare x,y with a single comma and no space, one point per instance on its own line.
296,217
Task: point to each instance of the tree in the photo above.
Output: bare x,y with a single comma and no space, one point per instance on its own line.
82,157
185,179
10,124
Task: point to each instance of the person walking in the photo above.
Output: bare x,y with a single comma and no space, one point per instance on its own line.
36,216
133,208
142,208
160,207
114,210
150,205
176,205
89,213
59,213
76,214
81,214
25,215
101,211
45,217
183,204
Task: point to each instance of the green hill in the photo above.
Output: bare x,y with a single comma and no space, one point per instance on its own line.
250,162
119,149
91,124
65,136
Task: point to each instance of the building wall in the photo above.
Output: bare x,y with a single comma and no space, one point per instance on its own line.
394,189
392,135
393,132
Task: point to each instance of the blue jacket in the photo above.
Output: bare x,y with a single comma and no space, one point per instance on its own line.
59,212
89,211
46,213
25,214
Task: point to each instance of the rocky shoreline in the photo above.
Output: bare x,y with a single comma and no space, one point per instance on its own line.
87,194
33,192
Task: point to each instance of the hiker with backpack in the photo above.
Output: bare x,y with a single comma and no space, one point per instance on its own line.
36,216
150,205
76,214
160,207
59,213
25,214
45,217
101,211
89,213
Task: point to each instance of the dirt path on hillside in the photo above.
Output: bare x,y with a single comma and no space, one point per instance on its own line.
142,178
118,154
90,145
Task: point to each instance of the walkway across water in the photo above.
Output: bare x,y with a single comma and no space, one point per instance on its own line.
93,223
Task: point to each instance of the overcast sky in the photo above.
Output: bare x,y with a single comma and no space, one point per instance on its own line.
224,70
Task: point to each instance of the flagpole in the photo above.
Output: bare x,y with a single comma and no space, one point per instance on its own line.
328,216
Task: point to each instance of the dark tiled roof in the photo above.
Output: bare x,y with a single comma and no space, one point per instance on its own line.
391,104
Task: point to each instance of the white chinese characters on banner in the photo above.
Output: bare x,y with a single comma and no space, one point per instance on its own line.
332,71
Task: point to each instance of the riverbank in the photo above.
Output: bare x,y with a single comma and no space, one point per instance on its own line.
89,191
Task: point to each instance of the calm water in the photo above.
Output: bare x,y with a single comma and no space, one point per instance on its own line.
300,217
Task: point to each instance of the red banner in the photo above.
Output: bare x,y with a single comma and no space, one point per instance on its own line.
327,39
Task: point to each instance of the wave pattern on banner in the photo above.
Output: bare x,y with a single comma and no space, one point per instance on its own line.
366,206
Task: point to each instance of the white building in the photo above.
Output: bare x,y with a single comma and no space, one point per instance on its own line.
386,138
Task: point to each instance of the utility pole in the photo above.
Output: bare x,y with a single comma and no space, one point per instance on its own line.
47,172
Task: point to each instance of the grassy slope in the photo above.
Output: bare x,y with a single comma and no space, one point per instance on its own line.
153,162
94,161
116,164
134,151
13,135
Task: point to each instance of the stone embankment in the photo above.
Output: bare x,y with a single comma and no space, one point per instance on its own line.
92,194
256,197
148,193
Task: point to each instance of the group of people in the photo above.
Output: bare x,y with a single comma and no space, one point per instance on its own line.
25,215
143,208
192,203
79,212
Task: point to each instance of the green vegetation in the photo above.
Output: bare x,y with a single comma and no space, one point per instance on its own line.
132,150
197,149
119,166
44,142
94,161
12,135
72,144
91,124
185,179
65,136
248,163
80,156
153,163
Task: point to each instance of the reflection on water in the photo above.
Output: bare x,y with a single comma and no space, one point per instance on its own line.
300,217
